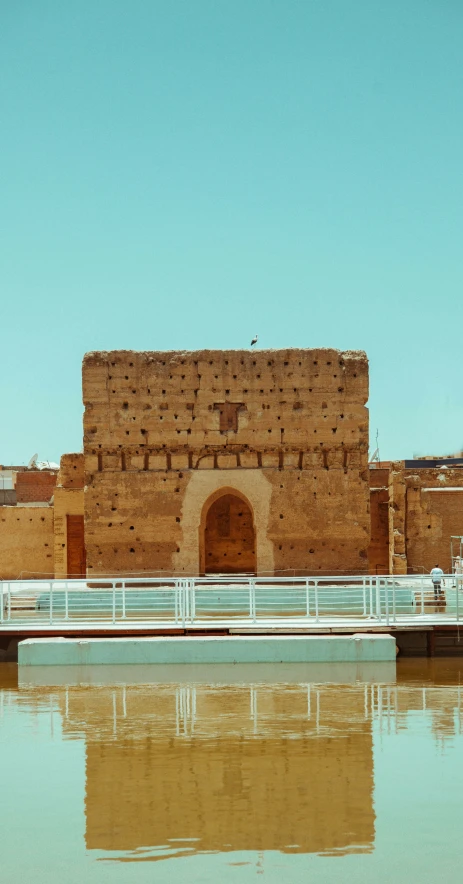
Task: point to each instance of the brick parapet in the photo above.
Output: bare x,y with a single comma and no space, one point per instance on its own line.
35,486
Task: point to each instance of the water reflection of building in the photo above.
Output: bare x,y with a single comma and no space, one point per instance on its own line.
240,767
237,768
437,707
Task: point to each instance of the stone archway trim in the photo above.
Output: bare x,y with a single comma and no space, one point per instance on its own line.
215,496
204,487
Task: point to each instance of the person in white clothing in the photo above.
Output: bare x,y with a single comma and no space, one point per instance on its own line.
437,577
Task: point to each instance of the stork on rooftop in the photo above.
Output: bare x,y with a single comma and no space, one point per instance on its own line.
254,341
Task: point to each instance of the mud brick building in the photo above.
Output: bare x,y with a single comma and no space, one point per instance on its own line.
416,506
26,522
226,461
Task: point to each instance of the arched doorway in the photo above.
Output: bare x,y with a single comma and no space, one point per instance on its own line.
228,542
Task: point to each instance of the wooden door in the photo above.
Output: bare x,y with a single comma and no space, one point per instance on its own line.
76,546
229,541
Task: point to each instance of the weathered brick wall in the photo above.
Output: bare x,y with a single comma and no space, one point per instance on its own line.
26,542
68,501
165,432
35,486
432,516
71,471
397,507
378,550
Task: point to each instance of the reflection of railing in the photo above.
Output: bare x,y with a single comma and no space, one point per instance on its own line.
190,714
230,600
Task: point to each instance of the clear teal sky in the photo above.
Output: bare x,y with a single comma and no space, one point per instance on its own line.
185,173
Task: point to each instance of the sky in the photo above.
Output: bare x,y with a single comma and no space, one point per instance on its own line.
181,174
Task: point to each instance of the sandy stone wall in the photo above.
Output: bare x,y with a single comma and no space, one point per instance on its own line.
286,429
68,500
432,516
397,506
71,471
378,550
26,542
425,509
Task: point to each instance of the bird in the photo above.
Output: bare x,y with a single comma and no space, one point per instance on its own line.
254,341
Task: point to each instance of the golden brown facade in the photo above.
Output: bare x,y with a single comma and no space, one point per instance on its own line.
219,461
231,462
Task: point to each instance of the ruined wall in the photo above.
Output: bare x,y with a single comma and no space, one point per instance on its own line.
35,486
432,516
378,550
425,509
26,542
71,471
68,500
397,505
165,432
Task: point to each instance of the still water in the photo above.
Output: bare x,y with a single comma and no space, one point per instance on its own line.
280,773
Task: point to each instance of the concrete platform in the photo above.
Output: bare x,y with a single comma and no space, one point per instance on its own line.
357,648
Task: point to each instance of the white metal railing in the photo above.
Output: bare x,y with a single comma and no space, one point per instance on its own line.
229,599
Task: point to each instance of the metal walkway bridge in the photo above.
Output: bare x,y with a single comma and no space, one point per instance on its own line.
232,603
